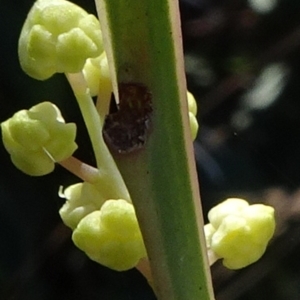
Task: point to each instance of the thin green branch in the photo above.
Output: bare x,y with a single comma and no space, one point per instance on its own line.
110,180
83,171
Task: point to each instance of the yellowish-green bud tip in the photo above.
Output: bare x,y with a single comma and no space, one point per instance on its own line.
82,199
239,232
58,36
192,104
97,76
37,138
192,107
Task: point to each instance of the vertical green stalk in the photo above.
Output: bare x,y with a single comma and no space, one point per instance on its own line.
143,44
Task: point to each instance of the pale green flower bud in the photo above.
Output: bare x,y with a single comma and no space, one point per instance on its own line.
231,206
111,236
193,125
37,138
82,199
192,106
58,36
96,74
239,232
209,230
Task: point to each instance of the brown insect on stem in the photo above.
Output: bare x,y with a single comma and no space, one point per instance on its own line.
126,130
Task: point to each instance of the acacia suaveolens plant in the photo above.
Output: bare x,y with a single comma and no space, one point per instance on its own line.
140,203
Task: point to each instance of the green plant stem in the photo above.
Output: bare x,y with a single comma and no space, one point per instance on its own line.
143,45
110,180
84,171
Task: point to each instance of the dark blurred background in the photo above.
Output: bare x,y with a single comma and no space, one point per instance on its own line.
243,66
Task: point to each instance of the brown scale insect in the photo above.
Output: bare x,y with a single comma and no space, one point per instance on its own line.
126,129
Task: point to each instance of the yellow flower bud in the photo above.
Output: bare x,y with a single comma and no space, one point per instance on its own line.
37,138
192,106
82,199
193,125
58,36
96,74
111,236
239,232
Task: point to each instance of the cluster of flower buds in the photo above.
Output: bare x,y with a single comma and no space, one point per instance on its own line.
59,36
106,230
238,232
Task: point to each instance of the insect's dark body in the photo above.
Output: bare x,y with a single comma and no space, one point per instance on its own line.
126,130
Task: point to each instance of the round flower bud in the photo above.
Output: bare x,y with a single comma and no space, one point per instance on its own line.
82,199
239,232
37,138
58,36
111,236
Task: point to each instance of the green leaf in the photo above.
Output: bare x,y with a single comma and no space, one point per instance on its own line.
143,43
